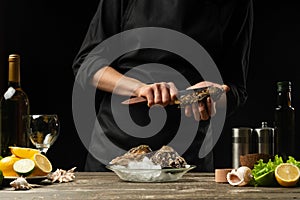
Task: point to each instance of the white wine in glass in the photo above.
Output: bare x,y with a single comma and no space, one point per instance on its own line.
42,130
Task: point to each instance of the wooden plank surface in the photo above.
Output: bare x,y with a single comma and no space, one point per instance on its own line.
106,185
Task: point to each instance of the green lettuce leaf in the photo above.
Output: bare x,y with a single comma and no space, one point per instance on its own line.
263,173
292,160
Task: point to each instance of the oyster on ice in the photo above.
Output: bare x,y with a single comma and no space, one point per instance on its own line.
134,154
166,157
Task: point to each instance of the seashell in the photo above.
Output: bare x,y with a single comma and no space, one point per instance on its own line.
239,177
20,184
62,176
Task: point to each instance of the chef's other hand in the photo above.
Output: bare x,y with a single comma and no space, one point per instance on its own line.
203,110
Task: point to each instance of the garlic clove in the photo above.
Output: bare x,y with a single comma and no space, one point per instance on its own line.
233,178
246,174
239,177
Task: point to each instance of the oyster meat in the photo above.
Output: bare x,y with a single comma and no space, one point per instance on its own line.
166,157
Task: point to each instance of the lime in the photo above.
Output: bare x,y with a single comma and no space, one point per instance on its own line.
24,167
267,179
1,177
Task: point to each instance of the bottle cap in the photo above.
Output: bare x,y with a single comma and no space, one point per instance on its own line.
13,58
284,86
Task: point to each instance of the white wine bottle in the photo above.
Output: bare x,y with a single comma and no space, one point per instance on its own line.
14,105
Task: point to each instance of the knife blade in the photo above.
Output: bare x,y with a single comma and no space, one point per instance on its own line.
186,97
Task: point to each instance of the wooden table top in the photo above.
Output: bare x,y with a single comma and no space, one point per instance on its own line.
107,185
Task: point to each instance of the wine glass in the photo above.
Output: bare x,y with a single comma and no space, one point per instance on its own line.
42,130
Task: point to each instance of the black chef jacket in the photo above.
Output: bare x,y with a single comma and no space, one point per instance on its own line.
222,27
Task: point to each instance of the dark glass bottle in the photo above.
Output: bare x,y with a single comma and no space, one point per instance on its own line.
285,121
14,104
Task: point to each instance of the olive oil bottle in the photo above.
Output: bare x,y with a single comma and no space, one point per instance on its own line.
14,104
285,121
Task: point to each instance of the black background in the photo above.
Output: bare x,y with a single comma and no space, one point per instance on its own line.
48,34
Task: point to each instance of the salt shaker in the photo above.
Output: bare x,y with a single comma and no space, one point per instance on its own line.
265,139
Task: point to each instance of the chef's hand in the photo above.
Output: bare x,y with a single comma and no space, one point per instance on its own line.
158,93
203,110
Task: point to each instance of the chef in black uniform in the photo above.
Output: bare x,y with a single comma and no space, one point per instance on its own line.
222,27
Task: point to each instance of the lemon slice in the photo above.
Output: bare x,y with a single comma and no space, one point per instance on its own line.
24,167
287,174
42,165
23,152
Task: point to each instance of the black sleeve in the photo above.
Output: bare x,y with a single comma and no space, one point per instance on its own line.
105,23
237,38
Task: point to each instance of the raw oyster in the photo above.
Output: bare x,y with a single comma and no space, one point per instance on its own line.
134,154
166,157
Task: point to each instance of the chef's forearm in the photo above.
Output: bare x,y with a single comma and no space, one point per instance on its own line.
109,80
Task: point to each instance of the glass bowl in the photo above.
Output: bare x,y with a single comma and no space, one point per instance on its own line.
149,175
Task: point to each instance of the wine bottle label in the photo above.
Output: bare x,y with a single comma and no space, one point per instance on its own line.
9,93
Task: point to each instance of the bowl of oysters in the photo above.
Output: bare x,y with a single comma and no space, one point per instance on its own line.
141,164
